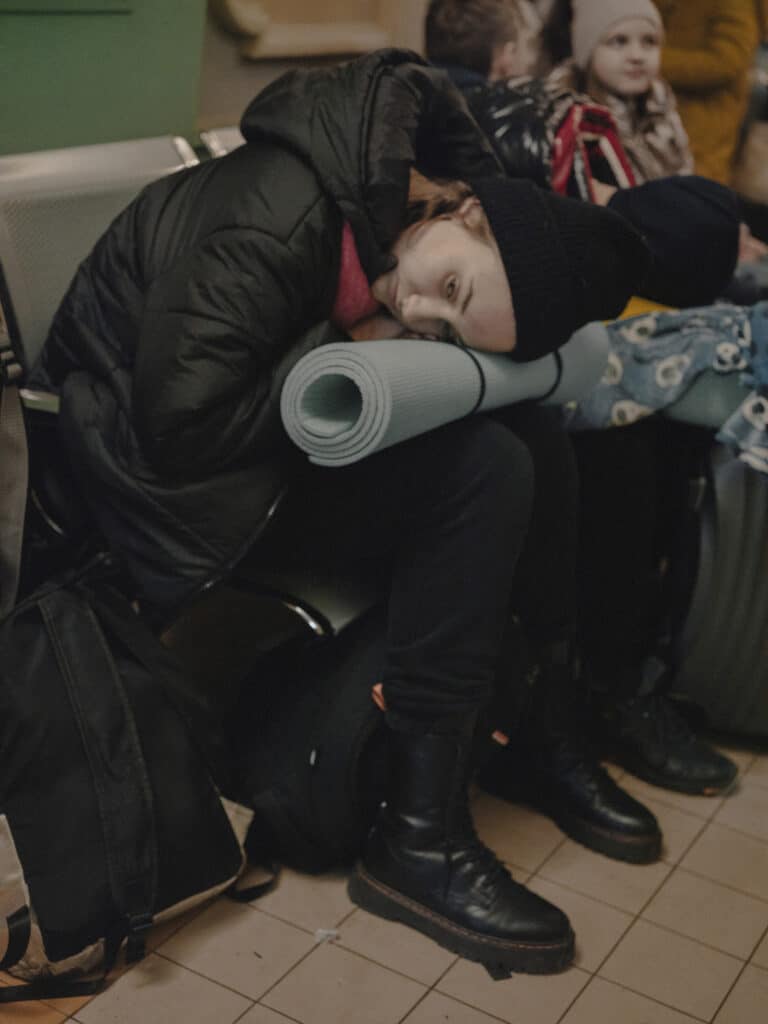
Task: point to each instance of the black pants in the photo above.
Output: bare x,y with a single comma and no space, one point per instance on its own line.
637,542
460,523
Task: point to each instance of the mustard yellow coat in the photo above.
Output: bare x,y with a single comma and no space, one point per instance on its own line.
708,50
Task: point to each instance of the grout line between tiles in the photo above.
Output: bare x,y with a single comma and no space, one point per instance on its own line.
548,857
418,1003
725,885
384,967
488,1013
652,999
727,994
757,946
292,1020
294,924
698,942
660,1002
695,838
740,831
207,977
605,903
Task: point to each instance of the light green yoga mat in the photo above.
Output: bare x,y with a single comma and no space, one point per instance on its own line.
342,402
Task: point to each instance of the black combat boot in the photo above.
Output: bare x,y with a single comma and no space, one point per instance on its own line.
650,737
425,866
548,764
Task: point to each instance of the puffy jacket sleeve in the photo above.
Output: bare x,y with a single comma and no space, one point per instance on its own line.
731,42
514,117
221,329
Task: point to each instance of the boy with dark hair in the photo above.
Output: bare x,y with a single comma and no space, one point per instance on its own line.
482,40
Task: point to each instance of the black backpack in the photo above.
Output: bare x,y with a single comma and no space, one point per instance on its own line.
111,814
310,749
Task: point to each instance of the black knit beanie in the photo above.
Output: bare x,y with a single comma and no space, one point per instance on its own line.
691,225
567,262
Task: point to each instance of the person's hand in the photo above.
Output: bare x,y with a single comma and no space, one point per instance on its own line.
751,249
380,325
602,193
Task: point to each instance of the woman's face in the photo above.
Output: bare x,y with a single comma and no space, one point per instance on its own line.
628,57
450,282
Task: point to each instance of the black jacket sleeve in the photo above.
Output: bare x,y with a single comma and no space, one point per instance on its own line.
220,330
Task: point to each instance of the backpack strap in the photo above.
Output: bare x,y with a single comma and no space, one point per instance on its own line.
112,745
14,469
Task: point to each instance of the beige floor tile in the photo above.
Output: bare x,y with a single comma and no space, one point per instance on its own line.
162,932
701,806
710,913
33,1012
518,835
238,946
395,946
522,999
671,969
760,956
748,1002
263,1015
333,986
758,772
746,810
310,901
741,756
678,829
158,992
439,1009
731,858
602,1002
598,927
626,886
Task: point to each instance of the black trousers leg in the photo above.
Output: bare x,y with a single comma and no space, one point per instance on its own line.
634,511
445,518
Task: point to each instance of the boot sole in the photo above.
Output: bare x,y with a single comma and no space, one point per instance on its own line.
616,845
641,771
499,957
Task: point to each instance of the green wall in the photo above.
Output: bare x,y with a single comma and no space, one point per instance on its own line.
78,71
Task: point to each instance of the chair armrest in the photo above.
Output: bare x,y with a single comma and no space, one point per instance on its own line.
40,401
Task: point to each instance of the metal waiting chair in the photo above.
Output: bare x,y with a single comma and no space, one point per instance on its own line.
54,204
218,141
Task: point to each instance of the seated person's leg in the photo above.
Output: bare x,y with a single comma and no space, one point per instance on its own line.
634,492
547,761
449,511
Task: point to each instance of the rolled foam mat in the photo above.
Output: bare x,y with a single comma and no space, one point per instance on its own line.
342,402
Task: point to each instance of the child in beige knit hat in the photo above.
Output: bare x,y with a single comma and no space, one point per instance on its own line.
616,60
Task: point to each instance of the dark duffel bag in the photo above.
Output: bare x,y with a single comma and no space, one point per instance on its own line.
309,743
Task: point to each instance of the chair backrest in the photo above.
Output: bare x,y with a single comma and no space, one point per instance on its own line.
219,141
54,205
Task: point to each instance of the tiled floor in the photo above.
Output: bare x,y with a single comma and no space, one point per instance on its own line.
676,942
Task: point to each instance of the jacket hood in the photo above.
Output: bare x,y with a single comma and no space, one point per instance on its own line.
361,126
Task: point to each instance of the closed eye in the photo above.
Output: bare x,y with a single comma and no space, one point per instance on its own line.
451,288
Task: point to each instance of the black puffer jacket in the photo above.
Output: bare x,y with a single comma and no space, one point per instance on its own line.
171,346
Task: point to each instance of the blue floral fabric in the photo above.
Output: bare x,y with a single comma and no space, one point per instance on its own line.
655,357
